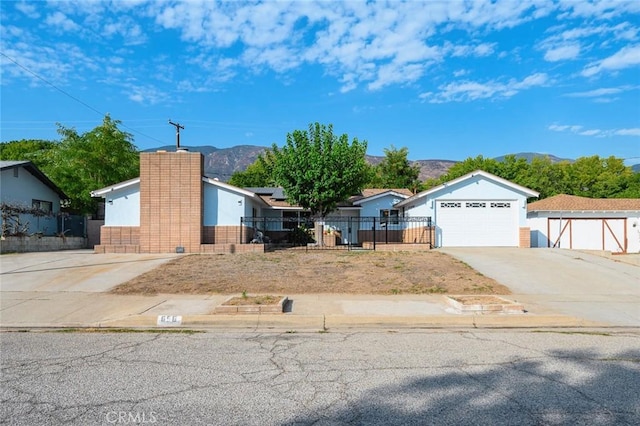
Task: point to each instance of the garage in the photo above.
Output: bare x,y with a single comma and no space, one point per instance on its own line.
477,223
478,209
581,223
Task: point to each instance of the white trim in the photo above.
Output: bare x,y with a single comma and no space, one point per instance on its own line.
380,195
104,191
234,189
528,192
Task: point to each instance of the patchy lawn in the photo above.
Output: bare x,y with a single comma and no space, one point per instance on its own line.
299,271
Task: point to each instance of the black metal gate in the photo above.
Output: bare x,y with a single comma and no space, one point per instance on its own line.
336,232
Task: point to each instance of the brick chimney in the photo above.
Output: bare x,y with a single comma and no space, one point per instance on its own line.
171,203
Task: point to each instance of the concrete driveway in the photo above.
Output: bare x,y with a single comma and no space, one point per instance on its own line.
73,270
67,287
567,282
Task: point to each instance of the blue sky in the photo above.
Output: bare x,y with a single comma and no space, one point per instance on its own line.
448,80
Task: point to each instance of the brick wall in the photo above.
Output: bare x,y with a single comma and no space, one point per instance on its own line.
226,234
417,235
120,235
525,237
171,202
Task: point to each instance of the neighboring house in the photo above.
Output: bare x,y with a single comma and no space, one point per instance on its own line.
22,184
172,206
571,222
475,210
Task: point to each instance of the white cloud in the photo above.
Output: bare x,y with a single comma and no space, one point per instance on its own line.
470,91
568,51
28,9
596,92
61,21
594,132
562,128
628,132
626,57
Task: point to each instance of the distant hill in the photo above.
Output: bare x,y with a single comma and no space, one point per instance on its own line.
221,163
531,155
636,168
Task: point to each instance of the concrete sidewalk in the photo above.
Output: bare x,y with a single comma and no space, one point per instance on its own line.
317,312
68,289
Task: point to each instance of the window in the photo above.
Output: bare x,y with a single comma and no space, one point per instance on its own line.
389,216
450,205
476,205
500,205
45,206
291,220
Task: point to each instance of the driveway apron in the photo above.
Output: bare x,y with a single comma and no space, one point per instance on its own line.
568,282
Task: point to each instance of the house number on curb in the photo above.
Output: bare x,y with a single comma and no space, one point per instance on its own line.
169,320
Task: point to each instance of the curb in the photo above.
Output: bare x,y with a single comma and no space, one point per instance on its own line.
330,322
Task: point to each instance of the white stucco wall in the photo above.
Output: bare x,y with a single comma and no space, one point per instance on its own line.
475,188
586,235
122,207
22,190
373,207
222,206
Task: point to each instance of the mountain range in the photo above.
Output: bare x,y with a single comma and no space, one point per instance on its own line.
221,163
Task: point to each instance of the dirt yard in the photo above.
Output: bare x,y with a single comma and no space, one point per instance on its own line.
299,271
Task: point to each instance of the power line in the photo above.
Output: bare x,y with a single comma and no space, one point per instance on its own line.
73,97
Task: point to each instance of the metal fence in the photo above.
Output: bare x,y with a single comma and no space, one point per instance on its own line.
71,225
337,232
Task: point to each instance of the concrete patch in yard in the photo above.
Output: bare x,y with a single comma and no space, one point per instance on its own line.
484,304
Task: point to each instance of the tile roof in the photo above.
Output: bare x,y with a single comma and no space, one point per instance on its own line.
275,196
565,202
371,192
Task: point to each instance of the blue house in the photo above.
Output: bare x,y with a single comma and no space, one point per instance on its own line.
24,187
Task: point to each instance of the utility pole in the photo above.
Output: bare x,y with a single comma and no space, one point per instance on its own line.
178,127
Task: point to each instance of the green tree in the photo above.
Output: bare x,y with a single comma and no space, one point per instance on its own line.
395,170
257,174
34,150
318,169
462,168
599,177
546,177
83,162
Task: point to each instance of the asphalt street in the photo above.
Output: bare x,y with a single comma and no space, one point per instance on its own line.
543,377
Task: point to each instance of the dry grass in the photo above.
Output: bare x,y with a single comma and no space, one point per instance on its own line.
299,272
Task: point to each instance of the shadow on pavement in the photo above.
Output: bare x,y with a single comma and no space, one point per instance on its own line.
576,387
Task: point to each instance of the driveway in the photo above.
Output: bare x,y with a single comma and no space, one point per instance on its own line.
73,270
68,287
568,282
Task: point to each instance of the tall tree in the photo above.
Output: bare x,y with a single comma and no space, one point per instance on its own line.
92,160
34,150
395,170
318,169
257,174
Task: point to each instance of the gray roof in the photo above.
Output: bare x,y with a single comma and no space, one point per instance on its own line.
31,168
275,193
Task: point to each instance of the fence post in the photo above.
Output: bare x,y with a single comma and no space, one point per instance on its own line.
374,233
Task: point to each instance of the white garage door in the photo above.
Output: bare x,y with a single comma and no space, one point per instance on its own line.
588,234
477,223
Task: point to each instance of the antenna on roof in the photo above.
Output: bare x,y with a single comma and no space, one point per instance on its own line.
178,127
